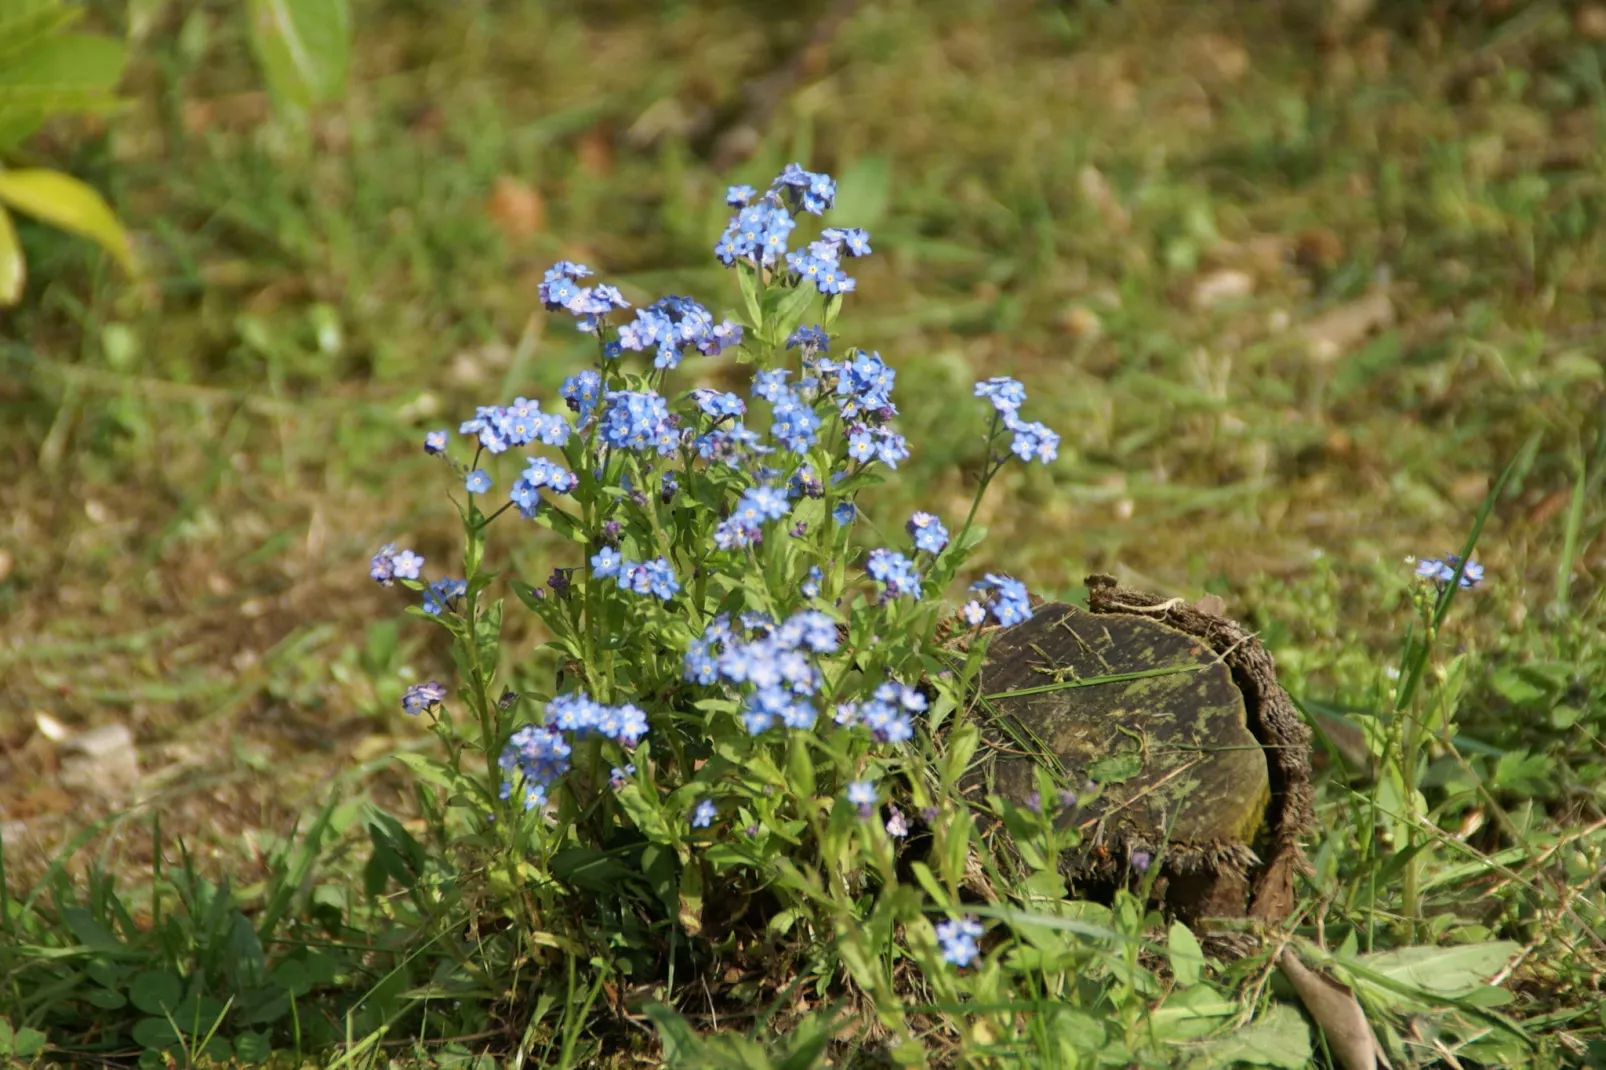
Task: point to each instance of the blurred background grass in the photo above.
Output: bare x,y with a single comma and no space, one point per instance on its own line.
1291,278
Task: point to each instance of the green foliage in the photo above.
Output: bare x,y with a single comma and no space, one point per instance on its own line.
303,48
46,72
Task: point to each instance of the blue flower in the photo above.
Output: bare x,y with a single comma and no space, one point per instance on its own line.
973,613
740,196
811,585
638,421
813,193
619,776
477,481
406,565
606,562
382,567
717,404
1442,572
794,424
704,815
844,512
435,442
895,572
862,794
812,339
850,241
582,391
1006,597
439,595
928,533
957,938
1032,441
420,697
1006,394
560,284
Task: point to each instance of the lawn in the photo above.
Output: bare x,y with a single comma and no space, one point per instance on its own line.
1309,291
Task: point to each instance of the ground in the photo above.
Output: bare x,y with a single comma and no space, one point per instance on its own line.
1295,281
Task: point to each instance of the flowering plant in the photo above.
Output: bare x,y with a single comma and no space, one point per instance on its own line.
746,697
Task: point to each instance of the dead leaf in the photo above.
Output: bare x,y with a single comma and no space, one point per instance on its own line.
1337,331
1590,21
1336,1011
1212,605
1227,284
516,207
594,152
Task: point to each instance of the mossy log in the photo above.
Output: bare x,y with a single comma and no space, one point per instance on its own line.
1202,763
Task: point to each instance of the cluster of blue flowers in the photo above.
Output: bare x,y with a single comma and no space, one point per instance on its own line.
1032,441
895,572
957,938
776,664
580,715
927,532
421,697
439,596
539,753
499,428
772,669
1441,571
390,565
888,713
745,525
538,473
671,325
1006,598
655,577
639,420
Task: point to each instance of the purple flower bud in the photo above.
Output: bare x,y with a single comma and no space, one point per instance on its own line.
1141,860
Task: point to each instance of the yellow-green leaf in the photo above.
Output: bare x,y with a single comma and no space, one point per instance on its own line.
303,47
12,269
63,201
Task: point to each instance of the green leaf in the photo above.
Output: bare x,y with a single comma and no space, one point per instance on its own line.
1279,1038
1116,768
29,24
252,1047
304,48
155,1034
89,932
73,72
13,270
1187,958
747,278
791,309
430,769
65,202
961,748
155,992
691,898
1441,971
648,818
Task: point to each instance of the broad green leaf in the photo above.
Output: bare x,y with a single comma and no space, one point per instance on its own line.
156,992
74,72
1441,971
304,47
1279,1038
1187,958
646,815
13,270
65,202
155,1034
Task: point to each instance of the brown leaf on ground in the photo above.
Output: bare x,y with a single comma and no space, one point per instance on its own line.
516,207
1337,331
1336,1011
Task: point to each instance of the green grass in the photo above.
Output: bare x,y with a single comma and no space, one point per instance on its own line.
200,463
